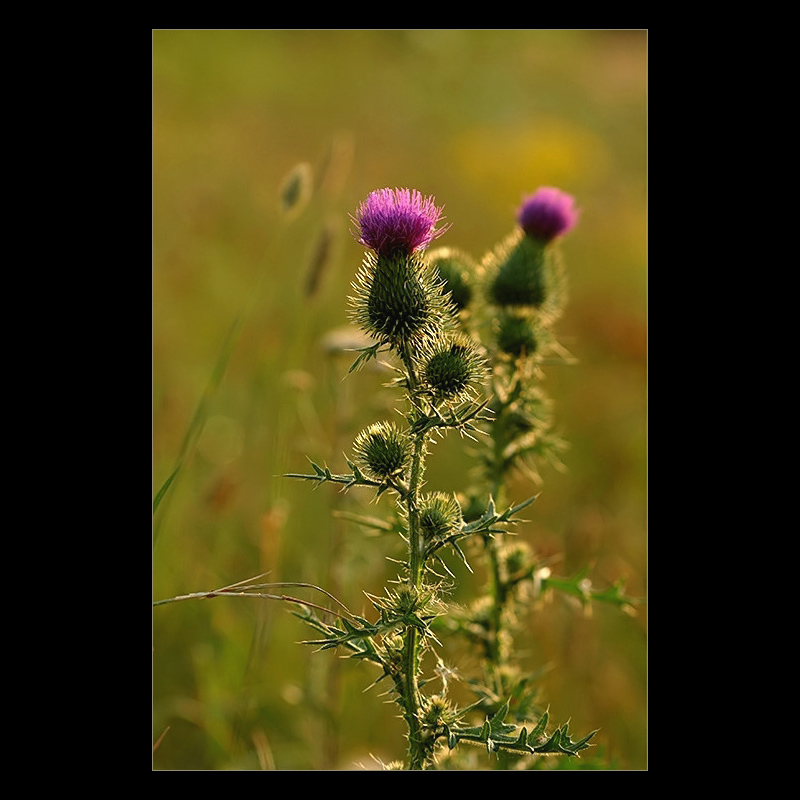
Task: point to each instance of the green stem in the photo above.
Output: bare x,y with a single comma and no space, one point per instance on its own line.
497,593
496,480
411,656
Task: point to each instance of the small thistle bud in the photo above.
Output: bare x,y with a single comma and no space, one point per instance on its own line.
547,214
394,221
519,422
516,560
439,515
436,712
382,450
517,334
452,367
457,271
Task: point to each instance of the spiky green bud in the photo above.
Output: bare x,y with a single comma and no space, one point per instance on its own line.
437,711
458,272
398,299
439,515
383,450
516,560
523,271
517,333
452,367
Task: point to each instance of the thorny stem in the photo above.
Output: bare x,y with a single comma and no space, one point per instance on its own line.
415,569
496,481
493,652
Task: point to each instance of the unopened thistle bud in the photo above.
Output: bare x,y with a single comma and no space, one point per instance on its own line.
531,413
517,334
457,271
437,711
398,295
515,560
439,515
382,450
452,367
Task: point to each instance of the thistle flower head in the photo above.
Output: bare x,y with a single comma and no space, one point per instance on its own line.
547,214
397,220
382,450
515,559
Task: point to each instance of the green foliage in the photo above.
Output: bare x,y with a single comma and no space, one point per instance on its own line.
496,734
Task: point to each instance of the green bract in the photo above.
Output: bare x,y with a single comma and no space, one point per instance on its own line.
398,299
524,272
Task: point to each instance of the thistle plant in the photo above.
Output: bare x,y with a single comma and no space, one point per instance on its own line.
412,304
468,343
516,298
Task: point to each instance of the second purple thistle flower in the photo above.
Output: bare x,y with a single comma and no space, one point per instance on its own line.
398,220
547,214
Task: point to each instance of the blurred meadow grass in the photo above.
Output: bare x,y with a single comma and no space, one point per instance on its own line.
249,318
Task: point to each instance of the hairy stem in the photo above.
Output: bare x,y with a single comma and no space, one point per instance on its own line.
496,480
411,655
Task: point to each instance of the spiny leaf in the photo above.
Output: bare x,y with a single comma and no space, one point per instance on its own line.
452,739
518,508
323,474
541,727
581,587
490,518
365,354
497,735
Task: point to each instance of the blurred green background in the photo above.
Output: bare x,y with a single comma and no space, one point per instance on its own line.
477,118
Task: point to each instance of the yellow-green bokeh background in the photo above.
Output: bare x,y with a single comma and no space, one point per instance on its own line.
476,118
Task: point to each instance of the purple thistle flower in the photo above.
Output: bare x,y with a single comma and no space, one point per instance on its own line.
547,213
392,220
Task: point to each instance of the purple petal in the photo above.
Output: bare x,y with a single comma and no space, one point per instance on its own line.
397,220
